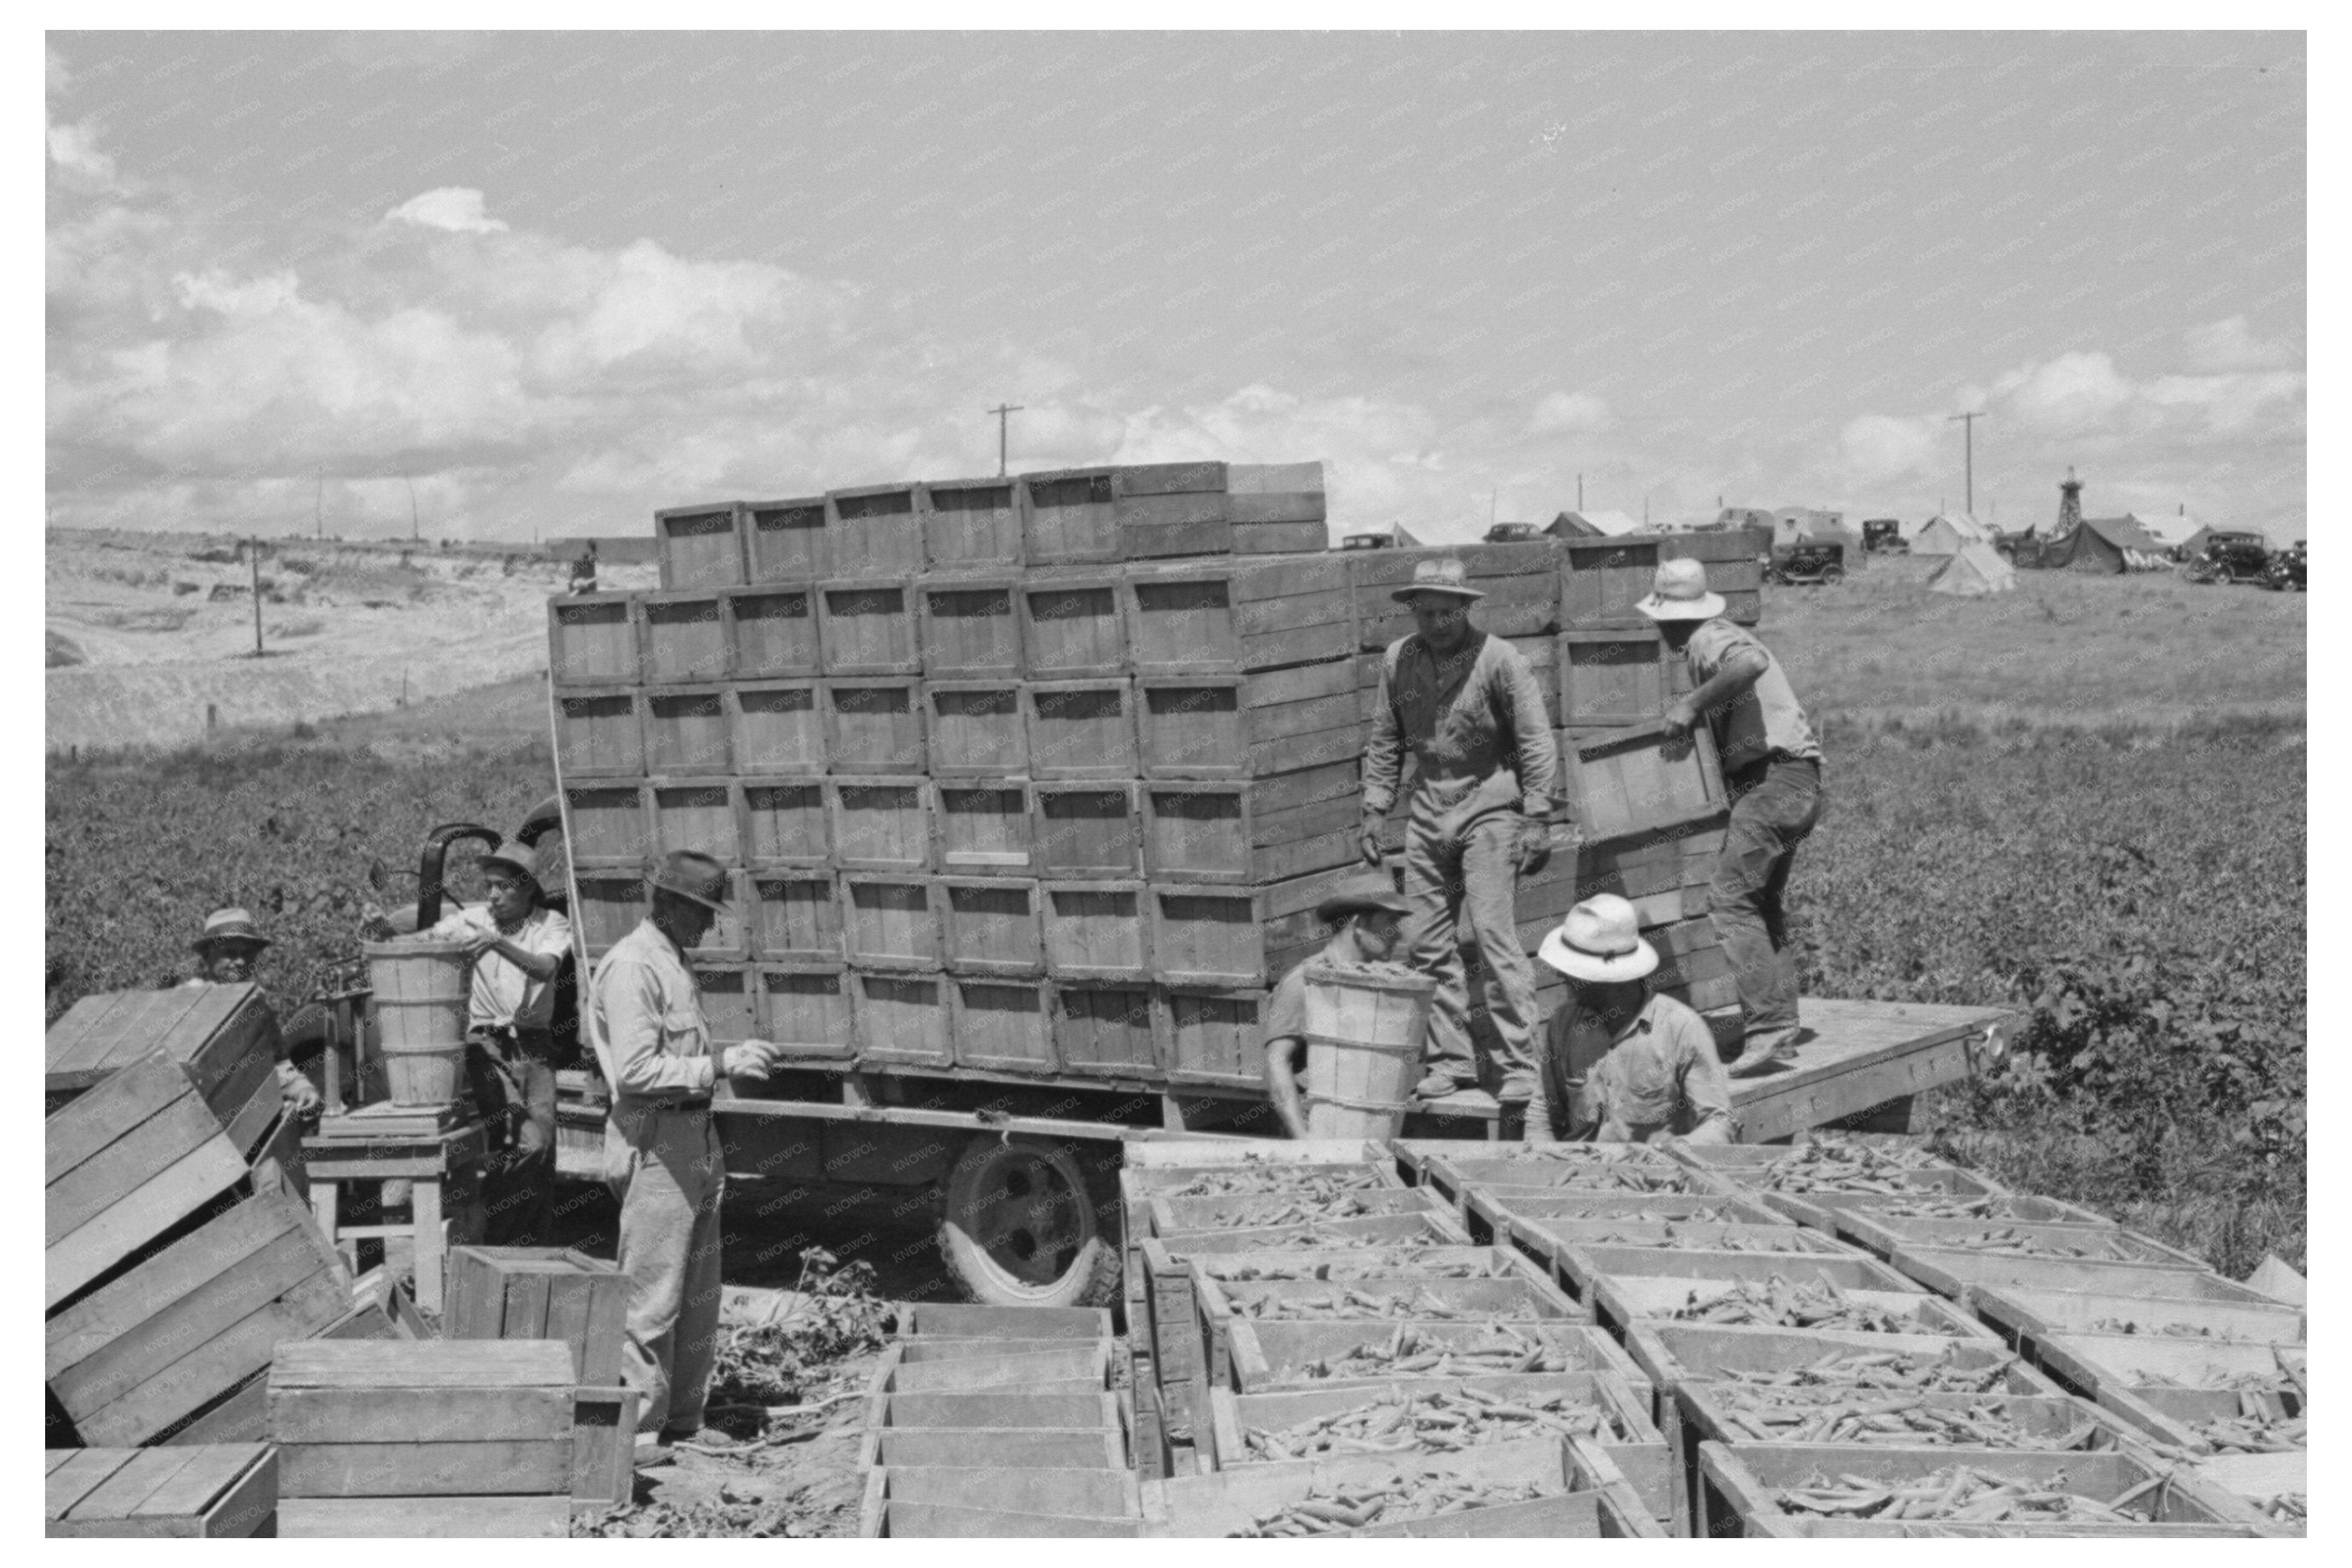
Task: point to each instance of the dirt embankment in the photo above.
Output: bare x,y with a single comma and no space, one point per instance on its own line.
150,641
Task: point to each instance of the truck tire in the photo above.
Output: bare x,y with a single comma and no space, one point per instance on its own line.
1020,1227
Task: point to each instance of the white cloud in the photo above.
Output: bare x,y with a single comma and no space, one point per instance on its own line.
1876,447
1568,412
2229,344
2066,396
73,152
452,207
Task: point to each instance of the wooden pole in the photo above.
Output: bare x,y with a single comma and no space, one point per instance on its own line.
253,547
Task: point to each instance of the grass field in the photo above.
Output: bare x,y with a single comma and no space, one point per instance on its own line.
2085,800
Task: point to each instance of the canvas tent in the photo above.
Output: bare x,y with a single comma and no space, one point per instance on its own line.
1974,570
2112,544
2168,529
1592,525
1947,534
1571,525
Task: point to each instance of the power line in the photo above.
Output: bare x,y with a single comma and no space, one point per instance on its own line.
1003,412
1968,424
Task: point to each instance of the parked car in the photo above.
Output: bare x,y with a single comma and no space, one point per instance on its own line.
1806,564
2229,558
2286,570
1884,536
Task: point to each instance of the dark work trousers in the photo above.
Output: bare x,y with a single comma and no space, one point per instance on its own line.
513,1082
1773,806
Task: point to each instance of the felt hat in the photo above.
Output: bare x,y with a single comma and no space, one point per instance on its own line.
1444,574
1679,593
513,860
1600,942
690,874
552,868
1357,895
546,817
231,924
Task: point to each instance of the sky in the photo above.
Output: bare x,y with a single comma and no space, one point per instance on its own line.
501,285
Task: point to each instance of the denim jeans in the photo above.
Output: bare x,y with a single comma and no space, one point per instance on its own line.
670,1185
1772,809
514,1089
1468,875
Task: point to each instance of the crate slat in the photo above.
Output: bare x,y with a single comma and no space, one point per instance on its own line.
874,529
972,523
777,727
784,540
700,546
1081,729
970,629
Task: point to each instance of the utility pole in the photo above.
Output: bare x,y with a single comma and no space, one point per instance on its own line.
1493,497
319,505
1580,493
253,554
415,529
1968,424
1004,413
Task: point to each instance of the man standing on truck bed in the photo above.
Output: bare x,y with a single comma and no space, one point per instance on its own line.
662,1158
1364,919
1470,710
1772,769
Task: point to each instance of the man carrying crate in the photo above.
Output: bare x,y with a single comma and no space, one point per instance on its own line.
1363,918
1470,710
1772,771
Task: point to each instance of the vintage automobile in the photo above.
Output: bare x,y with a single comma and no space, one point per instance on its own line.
1806,564
2234,557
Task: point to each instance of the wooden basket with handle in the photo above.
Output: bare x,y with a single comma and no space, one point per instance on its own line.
1364,1030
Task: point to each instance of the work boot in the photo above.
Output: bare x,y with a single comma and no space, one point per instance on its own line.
1516,1089
654,1451
1762,1050
1439,1083
700,1436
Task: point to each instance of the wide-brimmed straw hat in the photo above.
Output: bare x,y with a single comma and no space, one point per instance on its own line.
1679,593
1359,894
692,875
231,924
1445,575
510,860
1600,941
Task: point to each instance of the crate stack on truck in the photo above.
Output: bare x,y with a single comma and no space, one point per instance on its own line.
1041,777
1854,1339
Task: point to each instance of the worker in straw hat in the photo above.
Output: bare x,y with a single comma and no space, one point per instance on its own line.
1365,919
1772,771
644,1018
1621,1063
227,950
1468,708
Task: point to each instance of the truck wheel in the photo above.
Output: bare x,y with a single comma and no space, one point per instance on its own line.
1831,575
1021,1228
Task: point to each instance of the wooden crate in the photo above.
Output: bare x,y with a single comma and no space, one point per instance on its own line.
977,729
541,1293
1177,523
1213,1036
129,1159
891,922
784,540
795,917
984,829
1624,1299
603,1447
425,1518
1072,626
1664,878
777,727
1088,831
180,1328
700,546
212,1490
1529,1298
788,823
989,926
1069,516
806,1008
1275,507
880,824
1268,1357
2141,1376
686,730
1222,936
2027,1316
968,628
1602,579
866,625
607,905
1094,931
1579,1251
423,1418
1642,781
904,1018
972,523
1521,581
1704,1414
701,814
1081,729
730,1002
591,640
1250,726
1003,1025
1246,614
1106,1030
598,735
224,1037
2095,1241
772,634
684,637
1261,830
1960,1271
608,824
1797,1255
1613,676
875,528
873,726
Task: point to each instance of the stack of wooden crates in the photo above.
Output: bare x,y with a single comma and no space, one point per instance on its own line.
1039,776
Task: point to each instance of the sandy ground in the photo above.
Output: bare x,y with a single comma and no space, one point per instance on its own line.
161,640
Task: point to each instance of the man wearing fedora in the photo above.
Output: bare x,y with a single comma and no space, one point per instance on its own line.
1622,1064
1469,709
227,950
1772,771
644,1019
1365,919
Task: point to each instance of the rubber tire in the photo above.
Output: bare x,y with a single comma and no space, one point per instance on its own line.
1090,1278
1833,575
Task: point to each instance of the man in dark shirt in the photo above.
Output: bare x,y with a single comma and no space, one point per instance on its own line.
1366,920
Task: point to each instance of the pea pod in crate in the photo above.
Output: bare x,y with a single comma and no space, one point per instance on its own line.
1738,1413
1268,1357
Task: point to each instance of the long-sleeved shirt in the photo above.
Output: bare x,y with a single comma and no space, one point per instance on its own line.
503,996
1763,720
1659,1073
1475,723
645,1022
